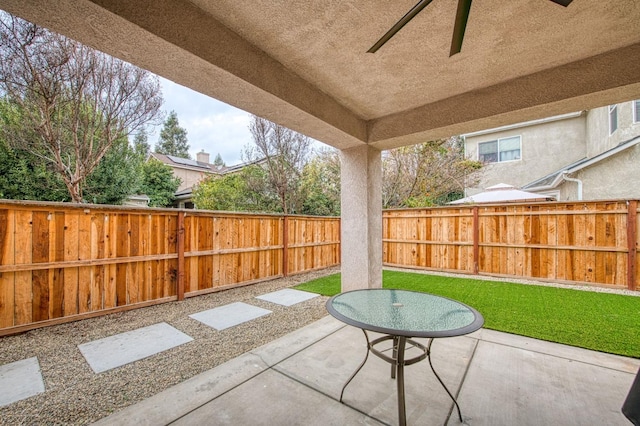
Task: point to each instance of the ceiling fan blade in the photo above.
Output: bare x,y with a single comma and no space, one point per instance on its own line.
564,3
398,26
462,15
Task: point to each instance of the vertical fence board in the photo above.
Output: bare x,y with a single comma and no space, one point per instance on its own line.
122,243
23,279
590,242
111,240
85,276
56,254
219,230
189,271
543,255
7,279
214,266
171,247
71,275
40,254
552,240
145,288
98,252
509,267
134,278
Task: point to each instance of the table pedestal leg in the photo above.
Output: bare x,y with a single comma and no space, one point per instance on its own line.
395,356
398,363
399,357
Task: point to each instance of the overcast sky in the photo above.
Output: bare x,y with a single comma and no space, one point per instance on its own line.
211,125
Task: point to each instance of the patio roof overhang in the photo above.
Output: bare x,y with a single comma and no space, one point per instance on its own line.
305,64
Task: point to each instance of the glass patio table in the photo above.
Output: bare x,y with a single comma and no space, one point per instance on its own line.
402,315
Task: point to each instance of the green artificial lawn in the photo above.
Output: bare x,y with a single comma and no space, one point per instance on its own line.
600,321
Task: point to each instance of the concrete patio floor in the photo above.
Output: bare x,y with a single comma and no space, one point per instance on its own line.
499,379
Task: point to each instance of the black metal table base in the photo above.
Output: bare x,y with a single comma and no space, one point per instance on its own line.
398,362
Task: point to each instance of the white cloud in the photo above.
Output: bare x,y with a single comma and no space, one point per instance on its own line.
211,125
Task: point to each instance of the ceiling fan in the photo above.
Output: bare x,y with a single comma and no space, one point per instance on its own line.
462,15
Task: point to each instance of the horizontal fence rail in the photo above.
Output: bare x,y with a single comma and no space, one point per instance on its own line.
62,262
579,242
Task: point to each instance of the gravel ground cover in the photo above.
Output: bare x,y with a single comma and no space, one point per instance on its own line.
76,395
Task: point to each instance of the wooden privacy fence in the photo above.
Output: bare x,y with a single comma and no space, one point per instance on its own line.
62,262
578,242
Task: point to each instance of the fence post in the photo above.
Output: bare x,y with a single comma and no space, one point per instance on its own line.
180,256
476,242
340,241
632,232
285,246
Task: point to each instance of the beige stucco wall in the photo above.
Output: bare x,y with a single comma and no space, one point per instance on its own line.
545,148
598,137
188,177
617,177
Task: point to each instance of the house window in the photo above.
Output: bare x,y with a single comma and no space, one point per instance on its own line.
636,111
613,118
506,149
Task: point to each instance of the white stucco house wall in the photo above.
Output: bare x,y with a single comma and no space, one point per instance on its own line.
590,155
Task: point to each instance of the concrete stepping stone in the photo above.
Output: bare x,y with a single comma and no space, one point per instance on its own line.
20,380
229,315
120,349
287,296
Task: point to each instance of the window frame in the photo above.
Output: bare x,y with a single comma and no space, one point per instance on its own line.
613,119
636,110
498,151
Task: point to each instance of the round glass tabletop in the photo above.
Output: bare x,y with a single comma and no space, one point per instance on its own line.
404,313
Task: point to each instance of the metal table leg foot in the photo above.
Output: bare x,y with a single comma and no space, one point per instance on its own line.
359,367
440,380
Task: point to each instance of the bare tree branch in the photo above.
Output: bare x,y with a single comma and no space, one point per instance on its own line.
284,152
423,174
71,102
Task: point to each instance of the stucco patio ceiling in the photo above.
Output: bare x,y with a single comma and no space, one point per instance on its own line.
305,64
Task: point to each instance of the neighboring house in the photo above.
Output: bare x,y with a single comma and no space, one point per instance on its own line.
191,172
590,155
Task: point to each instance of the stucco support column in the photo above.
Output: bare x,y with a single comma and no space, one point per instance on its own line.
361,211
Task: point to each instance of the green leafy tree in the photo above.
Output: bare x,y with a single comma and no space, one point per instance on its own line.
321,184
70,103
141,144
245,190
24,176
158,183
427,174
173,138
119,174
218,161
221,193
